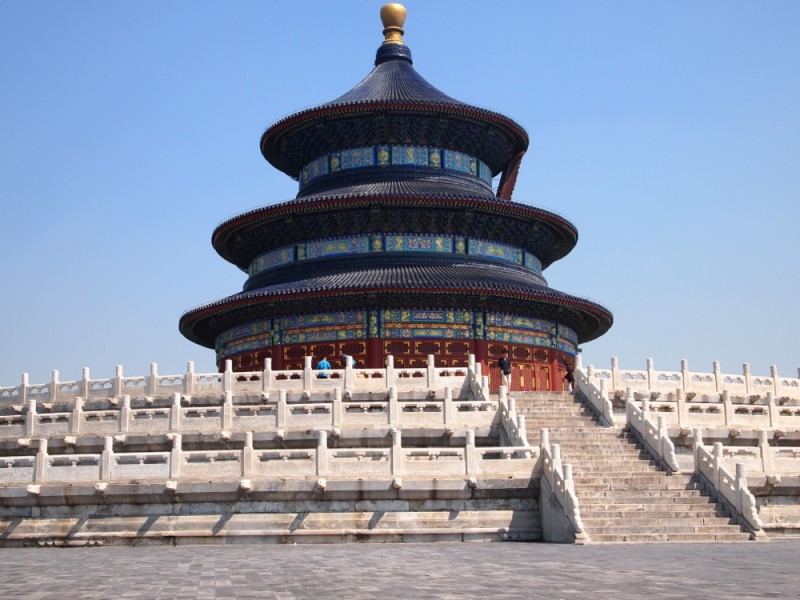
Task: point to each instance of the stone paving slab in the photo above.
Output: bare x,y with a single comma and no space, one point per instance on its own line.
409,571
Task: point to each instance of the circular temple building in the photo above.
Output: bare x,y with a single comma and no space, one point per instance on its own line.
397,244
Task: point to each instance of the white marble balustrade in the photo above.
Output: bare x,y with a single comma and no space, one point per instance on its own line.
715,382
464,381
248,462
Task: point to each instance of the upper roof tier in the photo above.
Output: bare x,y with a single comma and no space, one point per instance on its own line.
394,105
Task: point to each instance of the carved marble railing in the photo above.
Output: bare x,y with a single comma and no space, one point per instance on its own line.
558,500
720,410
595,393
655,437
731,489
650,380
762,460
277,410
246,463
513,424
464,381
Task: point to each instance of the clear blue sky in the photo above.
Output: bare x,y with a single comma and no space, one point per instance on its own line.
668,132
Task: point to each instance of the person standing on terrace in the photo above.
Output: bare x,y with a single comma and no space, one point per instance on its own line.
323,366
505,367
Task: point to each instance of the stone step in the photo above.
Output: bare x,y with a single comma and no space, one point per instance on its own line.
669,537
660,523
705,511
635,496
630,486
613,499
641,478
661,528
601,508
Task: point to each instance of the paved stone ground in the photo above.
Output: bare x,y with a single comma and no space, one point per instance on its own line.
409,571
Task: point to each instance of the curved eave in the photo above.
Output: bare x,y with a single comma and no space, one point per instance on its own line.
227,230
270,138
199,317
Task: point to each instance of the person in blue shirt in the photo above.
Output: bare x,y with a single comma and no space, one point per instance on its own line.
323,366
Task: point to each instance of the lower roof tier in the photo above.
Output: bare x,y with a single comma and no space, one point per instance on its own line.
465,285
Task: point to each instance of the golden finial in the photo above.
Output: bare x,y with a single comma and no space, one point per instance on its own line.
393,16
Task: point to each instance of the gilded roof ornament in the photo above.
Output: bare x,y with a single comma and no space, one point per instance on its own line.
393,16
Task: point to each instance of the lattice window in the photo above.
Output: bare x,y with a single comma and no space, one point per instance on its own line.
396,348
458,348
428,347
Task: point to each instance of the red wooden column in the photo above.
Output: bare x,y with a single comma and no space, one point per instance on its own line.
555,375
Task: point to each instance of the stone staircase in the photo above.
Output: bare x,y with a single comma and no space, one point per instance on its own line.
623,495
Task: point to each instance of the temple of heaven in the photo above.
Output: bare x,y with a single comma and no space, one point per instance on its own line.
397,244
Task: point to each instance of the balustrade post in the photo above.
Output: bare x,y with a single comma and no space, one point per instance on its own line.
266,377
107,458
117,385
485,387
774,413
663,434
683,414
645,408
741,485
227,377
308,374
616,376
390,374
188,379
348,372
569,484
727,405
176,456
544,438
125,414
449,407
151,389
523,436
394,408
397,453
651,374
431,373
555,456
23,389
337,416
41,461
282,410
54,386
773,372
470,453
247,455
717,464
697,443
718,382
686,378
77,416
175,413
227,411
748,378
31,426
322,452
767,465
84,391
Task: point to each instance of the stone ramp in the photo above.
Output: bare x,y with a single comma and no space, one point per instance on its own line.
623,495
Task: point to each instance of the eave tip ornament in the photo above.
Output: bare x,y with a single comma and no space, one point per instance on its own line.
393,16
